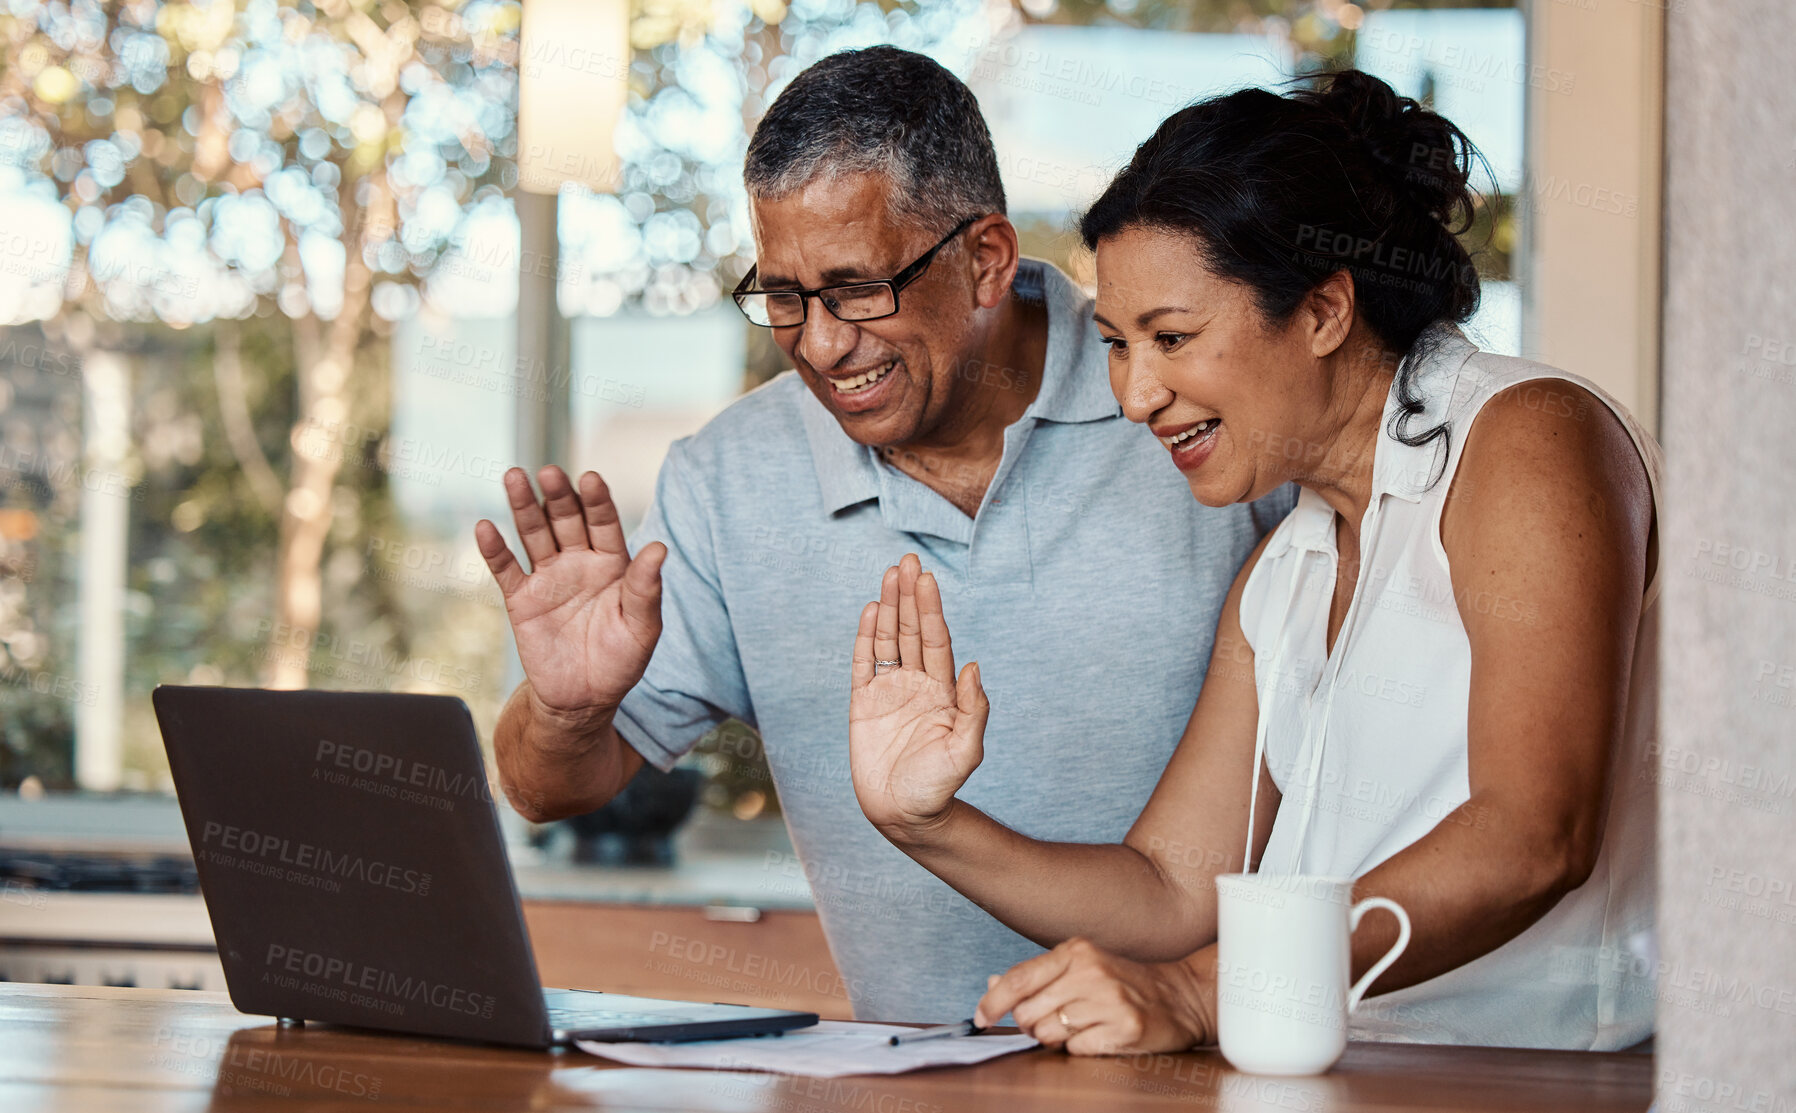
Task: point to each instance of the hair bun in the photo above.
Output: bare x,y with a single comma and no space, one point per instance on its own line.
1279,193
1427,159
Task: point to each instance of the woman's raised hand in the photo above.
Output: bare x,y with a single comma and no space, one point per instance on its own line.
916,731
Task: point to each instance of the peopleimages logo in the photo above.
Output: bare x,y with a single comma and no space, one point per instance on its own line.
396,777
269,853
359,984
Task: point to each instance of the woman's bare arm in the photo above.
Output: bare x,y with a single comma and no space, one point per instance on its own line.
1548,530
1151,897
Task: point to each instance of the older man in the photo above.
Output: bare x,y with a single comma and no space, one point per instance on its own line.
950,398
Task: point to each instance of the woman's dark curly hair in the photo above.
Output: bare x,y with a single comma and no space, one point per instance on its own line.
1280,192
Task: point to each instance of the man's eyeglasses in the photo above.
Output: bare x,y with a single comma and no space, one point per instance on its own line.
860,301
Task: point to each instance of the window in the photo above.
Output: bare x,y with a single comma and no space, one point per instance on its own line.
260,289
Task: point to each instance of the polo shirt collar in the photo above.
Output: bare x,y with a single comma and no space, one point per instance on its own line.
848,472
1073,386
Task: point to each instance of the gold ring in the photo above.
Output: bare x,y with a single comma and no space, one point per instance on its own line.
1064,1022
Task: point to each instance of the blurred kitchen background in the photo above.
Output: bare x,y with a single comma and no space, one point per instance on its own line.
285,287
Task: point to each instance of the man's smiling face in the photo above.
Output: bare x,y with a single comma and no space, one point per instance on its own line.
887,381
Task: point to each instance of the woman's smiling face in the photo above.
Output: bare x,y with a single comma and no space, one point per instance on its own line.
1237,400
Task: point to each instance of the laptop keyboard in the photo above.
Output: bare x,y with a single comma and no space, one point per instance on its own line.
573,1020
573,1010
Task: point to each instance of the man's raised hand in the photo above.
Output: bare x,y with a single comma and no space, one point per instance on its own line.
586,617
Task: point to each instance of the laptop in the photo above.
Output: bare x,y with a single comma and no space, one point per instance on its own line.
351,860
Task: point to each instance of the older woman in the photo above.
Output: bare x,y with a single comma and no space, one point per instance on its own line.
1435,677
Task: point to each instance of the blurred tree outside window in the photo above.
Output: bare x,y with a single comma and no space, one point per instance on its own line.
258,288
257,187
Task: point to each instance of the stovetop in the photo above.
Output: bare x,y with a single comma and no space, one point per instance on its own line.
82,843
61,871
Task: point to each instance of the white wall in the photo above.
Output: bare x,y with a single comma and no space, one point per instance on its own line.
1727,982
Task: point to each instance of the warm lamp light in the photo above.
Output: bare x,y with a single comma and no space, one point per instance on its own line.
573,76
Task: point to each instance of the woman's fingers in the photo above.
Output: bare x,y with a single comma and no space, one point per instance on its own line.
969,697
499,560
1065,1023
1101,1038
863,646
567,518
885,632
527,515
910,630
1053,1013
1019,983
938,647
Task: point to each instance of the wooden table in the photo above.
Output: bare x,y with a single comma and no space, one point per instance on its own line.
78,1048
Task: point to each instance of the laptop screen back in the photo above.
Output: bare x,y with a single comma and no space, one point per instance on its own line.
351,860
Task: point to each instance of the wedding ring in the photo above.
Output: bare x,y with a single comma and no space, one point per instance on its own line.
877,665
1064,1022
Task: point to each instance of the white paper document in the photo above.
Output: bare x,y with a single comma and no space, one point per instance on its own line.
830,1049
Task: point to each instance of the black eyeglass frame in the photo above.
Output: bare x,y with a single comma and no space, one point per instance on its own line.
897,282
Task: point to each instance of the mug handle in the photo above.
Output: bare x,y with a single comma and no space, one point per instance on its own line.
1390,956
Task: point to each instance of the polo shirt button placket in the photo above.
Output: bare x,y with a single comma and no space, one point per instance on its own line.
998,555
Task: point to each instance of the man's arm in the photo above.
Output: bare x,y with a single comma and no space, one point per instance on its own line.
586,619
552,766
677,673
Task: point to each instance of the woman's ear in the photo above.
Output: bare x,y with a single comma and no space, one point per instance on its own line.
1329,308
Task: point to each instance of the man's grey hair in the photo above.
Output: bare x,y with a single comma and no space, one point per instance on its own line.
883,111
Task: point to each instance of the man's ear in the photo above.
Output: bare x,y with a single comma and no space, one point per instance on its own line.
992,256
1329,310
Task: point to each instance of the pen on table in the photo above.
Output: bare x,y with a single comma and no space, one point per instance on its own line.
940,1031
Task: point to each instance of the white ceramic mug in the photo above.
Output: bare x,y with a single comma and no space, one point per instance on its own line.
1282,963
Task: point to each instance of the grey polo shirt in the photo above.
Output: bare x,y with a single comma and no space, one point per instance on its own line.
1087,586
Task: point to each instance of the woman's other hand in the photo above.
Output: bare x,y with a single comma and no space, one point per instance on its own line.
1092,1002
916,731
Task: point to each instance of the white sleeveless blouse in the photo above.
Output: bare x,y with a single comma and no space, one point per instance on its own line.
1379,727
